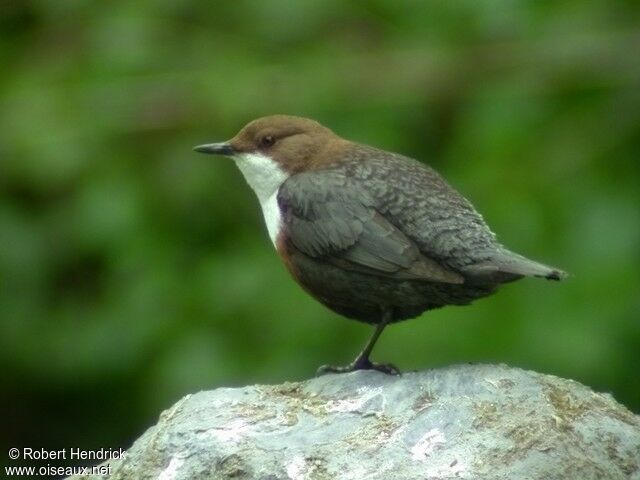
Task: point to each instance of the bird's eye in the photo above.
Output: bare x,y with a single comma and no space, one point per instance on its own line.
267,141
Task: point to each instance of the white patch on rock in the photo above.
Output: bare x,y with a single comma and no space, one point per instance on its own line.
354,404
265,177
171,471
427,444
232,432
297,468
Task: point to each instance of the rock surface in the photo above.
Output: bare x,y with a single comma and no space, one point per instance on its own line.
462,422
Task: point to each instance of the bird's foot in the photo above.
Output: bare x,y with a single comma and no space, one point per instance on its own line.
360,364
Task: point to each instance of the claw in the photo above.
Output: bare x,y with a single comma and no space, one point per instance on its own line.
362,361
359,364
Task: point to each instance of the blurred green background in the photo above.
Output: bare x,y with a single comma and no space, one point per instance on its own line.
134,271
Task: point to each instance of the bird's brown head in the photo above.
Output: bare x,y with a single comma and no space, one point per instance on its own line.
295,144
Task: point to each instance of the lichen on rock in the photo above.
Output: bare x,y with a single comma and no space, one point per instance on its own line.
462,422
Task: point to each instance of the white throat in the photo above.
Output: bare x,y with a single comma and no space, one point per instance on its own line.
264,176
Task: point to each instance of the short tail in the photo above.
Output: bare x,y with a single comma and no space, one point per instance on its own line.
529,268
512,266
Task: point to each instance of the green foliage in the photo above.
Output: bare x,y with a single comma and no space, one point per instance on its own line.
134,271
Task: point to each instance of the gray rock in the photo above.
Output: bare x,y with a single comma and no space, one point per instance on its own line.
462,422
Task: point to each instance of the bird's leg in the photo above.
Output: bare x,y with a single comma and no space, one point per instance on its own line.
362,361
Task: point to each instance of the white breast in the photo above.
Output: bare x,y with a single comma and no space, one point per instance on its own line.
265,177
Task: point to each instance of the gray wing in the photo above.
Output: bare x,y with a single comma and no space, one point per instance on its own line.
329,217
441,222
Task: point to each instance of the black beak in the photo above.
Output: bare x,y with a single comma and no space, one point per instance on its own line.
222,148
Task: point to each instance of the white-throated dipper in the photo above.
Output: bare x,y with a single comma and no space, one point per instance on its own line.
373,235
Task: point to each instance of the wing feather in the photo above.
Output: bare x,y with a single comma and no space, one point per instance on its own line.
328,219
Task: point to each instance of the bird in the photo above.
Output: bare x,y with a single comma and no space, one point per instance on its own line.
373,235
